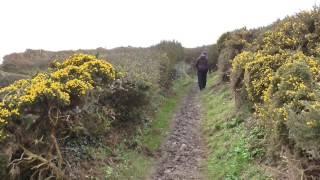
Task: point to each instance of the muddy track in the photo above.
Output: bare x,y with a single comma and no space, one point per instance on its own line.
182,152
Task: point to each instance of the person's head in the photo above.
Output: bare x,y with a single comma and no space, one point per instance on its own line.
204,53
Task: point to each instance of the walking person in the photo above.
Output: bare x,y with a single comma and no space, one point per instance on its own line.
202,68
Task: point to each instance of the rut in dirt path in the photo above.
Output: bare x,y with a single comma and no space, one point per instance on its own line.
183,151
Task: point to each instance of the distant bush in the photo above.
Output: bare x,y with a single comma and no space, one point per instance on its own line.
174,53
8,78
224,63
213,55
191,54
173,49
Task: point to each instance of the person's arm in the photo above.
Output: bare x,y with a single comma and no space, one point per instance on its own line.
197,62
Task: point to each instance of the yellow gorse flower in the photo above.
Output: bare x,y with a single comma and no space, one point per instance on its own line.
311,123
74,77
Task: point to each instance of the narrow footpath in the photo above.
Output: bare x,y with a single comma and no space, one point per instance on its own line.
183,151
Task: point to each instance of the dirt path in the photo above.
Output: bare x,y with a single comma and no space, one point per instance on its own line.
182,152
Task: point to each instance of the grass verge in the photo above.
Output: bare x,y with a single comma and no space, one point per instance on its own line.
135,164
230,155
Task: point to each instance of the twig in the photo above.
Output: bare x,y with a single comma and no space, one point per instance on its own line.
275,170
54,140
57,171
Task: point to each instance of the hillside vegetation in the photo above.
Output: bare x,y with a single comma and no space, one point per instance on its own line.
82,110
93,113
6,78
275,70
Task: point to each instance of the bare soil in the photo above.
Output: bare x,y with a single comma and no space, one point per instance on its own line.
183,151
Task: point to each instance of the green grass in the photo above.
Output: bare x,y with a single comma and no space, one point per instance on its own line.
229,154
154,136
135,165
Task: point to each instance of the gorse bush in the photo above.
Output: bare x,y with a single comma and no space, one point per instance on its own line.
300,32
38,95
305,128
81,95
258,70
279,73
289,89
231,44
278,84
67,82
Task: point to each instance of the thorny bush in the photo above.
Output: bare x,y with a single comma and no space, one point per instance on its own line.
81,95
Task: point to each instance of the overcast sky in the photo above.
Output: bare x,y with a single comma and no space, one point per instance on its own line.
81,24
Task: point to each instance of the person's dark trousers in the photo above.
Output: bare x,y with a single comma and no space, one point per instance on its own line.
202,79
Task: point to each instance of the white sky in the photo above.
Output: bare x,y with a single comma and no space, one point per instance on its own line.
74,24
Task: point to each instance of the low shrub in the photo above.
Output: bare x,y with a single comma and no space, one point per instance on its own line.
129,100
174,53
304,128
229,45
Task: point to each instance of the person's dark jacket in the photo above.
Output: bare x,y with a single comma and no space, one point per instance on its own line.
202,63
